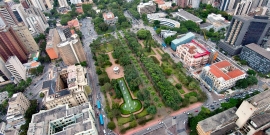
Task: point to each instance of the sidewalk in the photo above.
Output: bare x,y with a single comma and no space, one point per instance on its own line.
156,121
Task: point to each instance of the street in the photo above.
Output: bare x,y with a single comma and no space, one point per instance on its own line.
89,35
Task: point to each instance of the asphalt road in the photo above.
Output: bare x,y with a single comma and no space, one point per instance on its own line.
89,35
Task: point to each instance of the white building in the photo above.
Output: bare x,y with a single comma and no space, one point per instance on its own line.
49,4
167,33
19,13
217,21
146,8
78,120
243,7
36,24
63,3
17,106
185,16
38,4
75,1
5,75
221,76
163,21
16,68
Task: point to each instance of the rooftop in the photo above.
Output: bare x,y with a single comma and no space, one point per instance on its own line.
188,35
42,121
225,70
260,120
203,25
73,23
149,3
260,99
108,16
51,85
259,50
188,16
196,49
213,122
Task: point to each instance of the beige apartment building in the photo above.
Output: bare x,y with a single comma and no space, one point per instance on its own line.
252,117
17,106
212,125
16,68
52,40
67,87
71,50
25,37
193,54
64,120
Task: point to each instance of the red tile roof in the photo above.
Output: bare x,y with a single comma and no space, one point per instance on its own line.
215,69
223,64
73,23
160,2
218,73
235,73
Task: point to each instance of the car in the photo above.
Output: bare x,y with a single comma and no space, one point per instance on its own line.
174,117
160,122
184,112
196,111
220,99
35,84
148,129
214,101
213,108
188,113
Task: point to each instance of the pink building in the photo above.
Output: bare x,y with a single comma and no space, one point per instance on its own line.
182,3
193,54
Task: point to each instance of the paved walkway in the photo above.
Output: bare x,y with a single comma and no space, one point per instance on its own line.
156,121
109,70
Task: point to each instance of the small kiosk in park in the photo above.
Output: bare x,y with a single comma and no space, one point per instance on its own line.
116,70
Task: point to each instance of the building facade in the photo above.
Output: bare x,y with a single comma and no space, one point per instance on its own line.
36,11
253,114
79,120
71,50
52,40
220,76
3,96
181,3
256,57
19,13
146,8
17,106
243,7
63,3
26,38
16,68
11,45
244,30
38,4
5,75
7,15
193,54
67,87
36,24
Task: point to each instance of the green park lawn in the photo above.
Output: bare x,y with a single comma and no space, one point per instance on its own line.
107,47
130,105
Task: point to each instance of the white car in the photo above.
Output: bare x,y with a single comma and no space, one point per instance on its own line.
148,129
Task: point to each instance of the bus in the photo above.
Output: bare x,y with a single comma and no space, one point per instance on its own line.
101,119
98,104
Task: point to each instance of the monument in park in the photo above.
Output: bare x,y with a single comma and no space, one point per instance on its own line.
116,70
